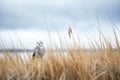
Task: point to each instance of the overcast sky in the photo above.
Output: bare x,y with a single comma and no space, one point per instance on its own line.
31,18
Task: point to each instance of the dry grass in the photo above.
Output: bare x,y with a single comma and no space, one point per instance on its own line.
80,64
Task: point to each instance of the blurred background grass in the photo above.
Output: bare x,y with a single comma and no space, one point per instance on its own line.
100,62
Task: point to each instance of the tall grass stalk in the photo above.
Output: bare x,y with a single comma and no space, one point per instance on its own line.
101,63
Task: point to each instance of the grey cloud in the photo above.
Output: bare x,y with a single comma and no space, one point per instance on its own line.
56,18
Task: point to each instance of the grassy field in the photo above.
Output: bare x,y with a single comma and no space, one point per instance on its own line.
102,63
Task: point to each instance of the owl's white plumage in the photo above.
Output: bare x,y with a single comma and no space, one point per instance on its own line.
39,50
